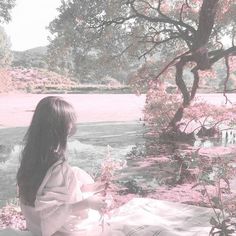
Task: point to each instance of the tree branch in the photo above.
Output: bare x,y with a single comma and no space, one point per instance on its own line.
171,63
226,79
180,82
182,10
222,53
156,43
164,19
122,52
116,21
152,37
195,82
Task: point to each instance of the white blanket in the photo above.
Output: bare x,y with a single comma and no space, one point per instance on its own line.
149,217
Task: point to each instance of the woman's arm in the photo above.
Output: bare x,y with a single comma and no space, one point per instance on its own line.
94,202
79,206
93,187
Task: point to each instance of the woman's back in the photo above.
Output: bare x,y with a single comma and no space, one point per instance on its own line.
60,189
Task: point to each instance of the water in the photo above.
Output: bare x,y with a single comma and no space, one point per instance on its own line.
147,166
86,149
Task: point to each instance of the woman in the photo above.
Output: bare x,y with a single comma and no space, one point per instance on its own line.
51,192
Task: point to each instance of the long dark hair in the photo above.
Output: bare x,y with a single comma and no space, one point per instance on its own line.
45,143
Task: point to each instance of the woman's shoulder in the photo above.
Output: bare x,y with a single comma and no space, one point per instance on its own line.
58,173
58,166
62,173
82,175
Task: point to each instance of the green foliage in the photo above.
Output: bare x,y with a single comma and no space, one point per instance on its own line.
5,8
5,17
35,57
76,51
141,26
5,52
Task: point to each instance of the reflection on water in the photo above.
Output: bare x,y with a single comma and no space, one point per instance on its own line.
226,138
150,164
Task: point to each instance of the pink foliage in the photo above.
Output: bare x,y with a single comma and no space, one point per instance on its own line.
109,166
11,217
199,110
207,73
160,105
32,79
6,83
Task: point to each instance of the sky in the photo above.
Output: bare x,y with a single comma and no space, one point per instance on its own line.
29,21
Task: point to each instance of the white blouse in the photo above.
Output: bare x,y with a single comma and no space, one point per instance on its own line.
52,214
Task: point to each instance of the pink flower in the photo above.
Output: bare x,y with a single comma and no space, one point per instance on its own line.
109,166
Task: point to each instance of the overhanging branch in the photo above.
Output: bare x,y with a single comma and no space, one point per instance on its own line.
162,19
171,63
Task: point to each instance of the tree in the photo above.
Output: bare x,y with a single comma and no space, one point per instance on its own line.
193,32
5,8
76,51
5,17
5,52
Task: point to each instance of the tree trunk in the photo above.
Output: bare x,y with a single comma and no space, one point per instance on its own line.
199,55
201,39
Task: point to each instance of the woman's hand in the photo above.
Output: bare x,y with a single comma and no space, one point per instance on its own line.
94,187
96,202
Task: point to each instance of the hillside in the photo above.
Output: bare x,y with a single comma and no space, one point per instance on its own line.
38,50
35,57
29,73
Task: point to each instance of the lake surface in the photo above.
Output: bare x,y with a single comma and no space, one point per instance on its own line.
16,109
86,149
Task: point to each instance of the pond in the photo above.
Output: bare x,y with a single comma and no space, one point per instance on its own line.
88,148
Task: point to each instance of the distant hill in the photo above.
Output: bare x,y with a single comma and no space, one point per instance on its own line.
38,50
35,57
